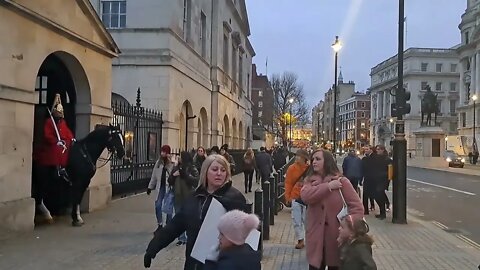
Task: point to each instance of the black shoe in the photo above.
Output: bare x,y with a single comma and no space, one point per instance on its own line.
381,217
179,243
250,190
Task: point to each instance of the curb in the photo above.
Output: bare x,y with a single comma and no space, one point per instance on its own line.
447,170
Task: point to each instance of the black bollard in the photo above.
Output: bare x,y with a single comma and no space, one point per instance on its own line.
249,209
277,191
266,210
272,200
258,210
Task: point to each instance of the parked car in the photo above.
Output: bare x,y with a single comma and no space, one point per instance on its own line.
453,159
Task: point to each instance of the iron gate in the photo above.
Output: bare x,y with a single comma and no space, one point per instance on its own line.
142,130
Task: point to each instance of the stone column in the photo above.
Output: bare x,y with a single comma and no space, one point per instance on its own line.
473,68
379,105
477,73
461,86
385,104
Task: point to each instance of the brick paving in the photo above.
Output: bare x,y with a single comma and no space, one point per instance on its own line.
116,237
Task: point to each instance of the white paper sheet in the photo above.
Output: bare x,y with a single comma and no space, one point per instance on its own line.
208,234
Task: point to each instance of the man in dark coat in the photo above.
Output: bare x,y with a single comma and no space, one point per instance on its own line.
368,181
352,168
264,164
279,158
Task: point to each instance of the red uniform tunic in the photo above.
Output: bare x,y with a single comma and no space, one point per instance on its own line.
49,153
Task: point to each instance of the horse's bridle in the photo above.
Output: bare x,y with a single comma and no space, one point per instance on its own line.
110,147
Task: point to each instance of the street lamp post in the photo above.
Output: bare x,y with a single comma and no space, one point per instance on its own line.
446,141
337,46
474,143
291,105
186,127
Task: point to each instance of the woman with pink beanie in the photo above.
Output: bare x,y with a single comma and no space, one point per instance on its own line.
234,253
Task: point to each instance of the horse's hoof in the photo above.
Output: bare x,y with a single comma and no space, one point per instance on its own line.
76,223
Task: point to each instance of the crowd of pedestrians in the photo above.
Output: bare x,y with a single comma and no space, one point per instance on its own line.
327,211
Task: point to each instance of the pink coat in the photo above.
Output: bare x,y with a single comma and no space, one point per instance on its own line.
322,222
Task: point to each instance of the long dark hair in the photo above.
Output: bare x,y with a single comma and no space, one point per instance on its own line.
329,164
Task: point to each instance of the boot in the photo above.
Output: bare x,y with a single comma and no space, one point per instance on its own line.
300,244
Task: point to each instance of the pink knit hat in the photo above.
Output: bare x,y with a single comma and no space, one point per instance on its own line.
237,225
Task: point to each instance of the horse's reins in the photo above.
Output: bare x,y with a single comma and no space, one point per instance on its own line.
86,154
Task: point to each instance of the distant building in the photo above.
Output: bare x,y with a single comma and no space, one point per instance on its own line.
469,69
317,122
189,57
437,68
354,117
344,92
262,108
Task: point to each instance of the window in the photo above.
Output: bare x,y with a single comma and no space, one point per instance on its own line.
234,63
362,105
424,67
114,14
260,104
467,38
362,124
453,86
248,86
424,85
42,89
362,114
187,10
260,113
453,107
438,67
260,93
453,126
439,107
240,71
225,54
453,67
203,33
438,86
463,118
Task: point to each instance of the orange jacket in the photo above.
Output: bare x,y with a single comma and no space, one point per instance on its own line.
293,185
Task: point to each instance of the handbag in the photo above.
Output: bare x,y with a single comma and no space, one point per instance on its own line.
344,212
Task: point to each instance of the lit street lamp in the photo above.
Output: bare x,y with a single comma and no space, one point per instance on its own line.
474,144
446,140
336,46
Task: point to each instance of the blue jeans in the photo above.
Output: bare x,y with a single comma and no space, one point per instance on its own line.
158,207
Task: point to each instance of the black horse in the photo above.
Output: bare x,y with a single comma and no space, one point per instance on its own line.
81,167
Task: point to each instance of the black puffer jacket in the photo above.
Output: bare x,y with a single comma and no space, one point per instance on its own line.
236,258
190,219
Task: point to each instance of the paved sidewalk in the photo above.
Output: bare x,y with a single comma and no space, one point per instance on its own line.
116,238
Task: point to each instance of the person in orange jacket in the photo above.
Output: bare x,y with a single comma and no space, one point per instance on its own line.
293,184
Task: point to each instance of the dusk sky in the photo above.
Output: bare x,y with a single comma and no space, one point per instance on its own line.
297,37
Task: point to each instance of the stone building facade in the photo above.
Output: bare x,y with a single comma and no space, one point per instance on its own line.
189,58
317,122
262,100
437,68
43,52
354,117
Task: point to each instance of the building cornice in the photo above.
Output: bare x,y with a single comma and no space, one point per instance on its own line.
112,52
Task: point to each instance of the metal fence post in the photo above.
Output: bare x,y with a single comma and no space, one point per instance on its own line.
258,210
249,209
273,197
266,210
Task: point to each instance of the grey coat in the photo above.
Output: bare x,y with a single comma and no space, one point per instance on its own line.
157,174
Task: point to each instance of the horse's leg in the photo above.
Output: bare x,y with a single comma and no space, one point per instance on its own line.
78,189
41,177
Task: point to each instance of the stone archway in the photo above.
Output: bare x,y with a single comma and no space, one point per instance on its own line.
234,134
241,138
60,73
204,129
199,132
187,112
226,130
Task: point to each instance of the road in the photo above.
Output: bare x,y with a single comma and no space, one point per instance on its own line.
449,198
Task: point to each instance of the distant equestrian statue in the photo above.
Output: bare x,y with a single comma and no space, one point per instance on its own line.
429,106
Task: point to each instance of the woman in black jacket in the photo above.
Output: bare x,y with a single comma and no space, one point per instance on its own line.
215,182
380,176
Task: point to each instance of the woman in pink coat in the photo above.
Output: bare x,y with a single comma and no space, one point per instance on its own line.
321,192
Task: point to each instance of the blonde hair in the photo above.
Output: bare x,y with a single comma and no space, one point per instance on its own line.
249,153
203,182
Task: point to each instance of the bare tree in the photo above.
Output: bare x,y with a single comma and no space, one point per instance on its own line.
285,87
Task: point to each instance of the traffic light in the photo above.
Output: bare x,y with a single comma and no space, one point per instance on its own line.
394,110
402,96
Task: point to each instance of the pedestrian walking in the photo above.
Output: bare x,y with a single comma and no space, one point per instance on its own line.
215,182
233,253
368,180
199,157
355,245
327,195
184,179
352,168
293,185
279,158
380,176
248,168
264,164
214,150
161,172
228,157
